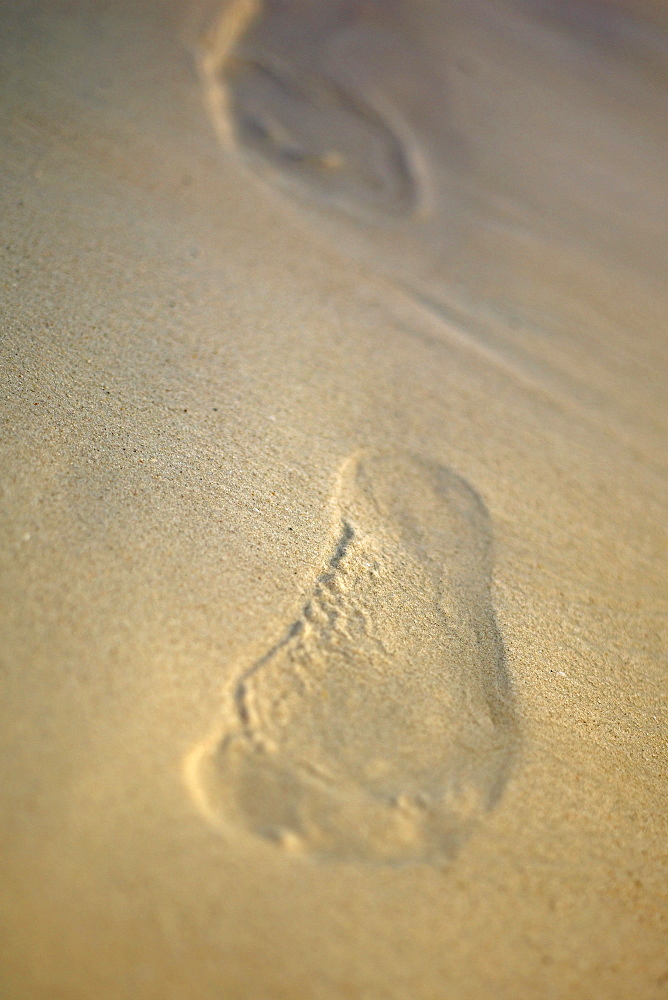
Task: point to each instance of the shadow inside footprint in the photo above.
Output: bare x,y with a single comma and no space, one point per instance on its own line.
380,726
316,133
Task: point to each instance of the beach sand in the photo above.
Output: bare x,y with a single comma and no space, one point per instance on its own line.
333,500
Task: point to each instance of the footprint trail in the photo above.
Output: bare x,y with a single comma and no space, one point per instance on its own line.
380,725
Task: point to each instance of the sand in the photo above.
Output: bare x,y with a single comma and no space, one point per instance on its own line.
333,500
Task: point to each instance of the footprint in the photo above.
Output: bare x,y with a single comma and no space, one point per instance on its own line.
314,130
380,726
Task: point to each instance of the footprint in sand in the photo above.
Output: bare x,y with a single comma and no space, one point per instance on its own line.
285,92
380,725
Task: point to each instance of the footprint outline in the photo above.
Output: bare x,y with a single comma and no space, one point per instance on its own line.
406,190
311,804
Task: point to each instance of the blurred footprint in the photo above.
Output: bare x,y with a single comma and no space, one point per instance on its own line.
283,93
380,725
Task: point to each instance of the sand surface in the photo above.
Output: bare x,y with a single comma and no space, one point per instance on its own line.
334,500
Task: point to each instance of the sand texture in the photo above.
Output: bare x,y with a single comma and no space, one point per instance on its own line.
380,725
334,499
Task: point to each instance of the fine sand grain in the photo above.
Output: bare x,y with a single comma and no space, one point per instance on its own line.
333,500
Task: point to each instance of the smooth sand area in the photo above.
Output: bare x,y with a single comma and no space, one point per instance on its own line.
334,501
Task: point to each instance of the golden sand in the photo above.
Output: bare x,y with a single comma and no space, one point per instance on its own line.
334,500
